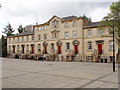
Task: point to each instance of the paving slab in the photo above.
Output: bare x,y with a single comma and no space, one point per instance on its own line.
20,73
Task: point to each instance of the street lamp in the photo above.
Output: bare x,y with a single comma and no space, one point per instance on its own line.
113,23
113,31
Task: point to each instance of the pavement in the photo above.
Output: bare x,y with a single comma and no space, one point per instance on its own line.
19,73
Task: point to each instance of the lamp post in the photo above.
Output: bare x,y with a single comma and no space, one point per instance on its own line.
113,23
113,31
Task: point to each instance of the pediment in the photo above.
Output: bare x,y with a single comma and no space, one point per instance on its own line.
54,18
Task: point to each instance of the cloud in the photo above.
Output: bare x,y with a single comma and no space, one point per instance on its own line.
27,12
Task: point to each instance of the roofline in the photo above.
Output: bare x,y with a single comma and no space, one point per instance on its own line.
20,35
48,22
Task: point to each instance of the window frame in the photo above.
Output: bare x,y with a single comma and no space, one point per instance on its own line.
67,46
90,45
66,35
89,33
111,45
74,35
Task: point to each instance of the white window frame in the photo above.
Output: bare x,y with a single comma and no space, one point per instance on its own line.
74,23
90,46
74,34
99,32
44,27
66,35
111,45
32,38
52,46
66,24
39,37
89,33
39,28
45,36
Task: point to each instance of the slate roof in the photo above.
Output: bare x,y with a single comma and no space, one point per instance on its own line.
69,18
26,33
93,24
22,34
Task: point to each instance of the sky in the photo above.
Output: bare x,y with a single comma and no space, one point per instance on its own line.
27,12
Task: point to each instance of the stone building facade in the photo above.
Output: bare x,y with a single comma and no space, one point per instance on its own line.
70,39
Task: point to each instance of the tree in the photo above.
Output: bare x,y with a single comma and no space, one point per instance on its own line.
114,18
3,46
20,29
8,30
87,18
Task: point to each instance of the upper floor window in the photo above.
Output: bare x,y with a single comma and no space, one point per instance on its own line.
27,38
39,28
18,39
89,33
111,45
66,35
13,39
45,36
22,39
55,24
55,35
38,37
99,32
44,27
66,24
74,23
68,46
89,45
32,38
74,34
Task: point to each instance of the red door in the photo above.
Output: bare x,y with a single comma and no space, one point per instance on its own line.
32,49
76,49
99,48
45,49
59,49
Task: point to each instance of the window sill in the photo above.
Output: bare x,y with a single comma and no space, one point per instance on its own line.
89,49
110,50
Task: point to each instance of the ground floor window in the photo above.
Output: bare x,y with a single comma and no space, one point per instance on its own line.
52,46
111,45
68,46
27,48
18,47
9,48
89,45
39,46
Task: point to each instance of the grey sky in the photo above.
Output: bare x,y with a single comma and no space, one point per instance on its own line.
27,12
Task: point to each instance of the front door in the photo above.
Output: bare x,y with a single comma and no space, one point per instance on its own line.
76,49
32,49
45,49
59,49
99,48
